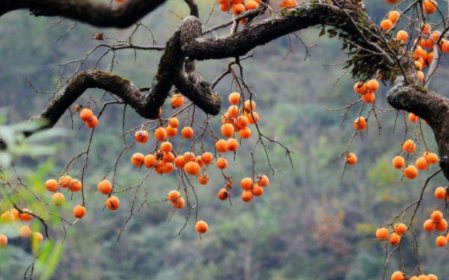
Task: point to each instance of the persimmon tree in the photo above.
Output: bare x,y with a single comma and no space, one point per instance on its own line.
402,51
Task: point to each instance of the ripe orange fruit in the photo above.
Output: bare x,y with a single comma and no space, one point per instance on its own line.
360,123
65,181
179,204
245,133
7,217
263,181
225,7
251,5
420,76
409,146
421,163
51,185
432,158
3,240
24,231
398,275
58,199
250,105
222,163
247,196
37,238
242,121
92,123
423,277
149,161
441,241
76,185
221,146
227,130
174,122
203,179
441,225
418,66
382,234
429,225
201,227
410,172
234,98
168,157
25,216
430,7
105,187
79,212
187,132
393,16
402,36
232,144
174,196
171,131
113,203
207,158
412,117
247,184
223,194
440,193
369,97
192,168
233,112
351,159
166,147
189,156
436,216
398,162
394,239
432,277
253,117
160,134
386,25
180,162
138,159
177,100
373,85
16,214
257,190
400,229
238,9
86,115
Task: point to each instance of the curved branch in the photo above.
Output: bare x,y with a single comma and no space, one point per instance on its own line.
96,14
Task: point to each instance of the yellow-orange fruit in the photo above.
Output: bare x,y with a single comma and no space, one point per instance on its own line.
207,158
441,241
393,16
24,231
105,187
420,76
440,193
233,111
431,277
37,238
238,9
113,203
410,172
65,181
79,212
149,161
187,132
225,7
179,204
257,190
430,7
222,163
413,118
177,100
232,144
400,229
201,227
382,234
171,131
432,158
180,162
189,156
253,117
398,275
160,134
174,122
138,159
203,179
166,147
441,225
386,25
418,65
394,239
221,146
16,214
247,184
242,121
409,146
263,181
234,98
421,163
86,115
58,199
3,240
51,185
351,159
227,130
168,157
360,123
429,225
7,217
436,216
398,162
369,97
25,216
373,85
92,123
402,36
250,105
251,5
192,168
245,133
423,277
174,196
223,194
247,196
76,185
141,136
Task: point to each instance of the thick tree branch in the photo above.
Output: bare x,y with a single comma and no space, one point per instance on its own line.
97,14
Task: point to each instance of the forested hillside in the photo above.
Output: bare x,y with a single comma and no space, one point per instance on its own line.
311,223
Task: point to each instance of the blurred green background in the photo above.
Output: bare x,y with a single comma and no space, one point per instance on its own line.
310,223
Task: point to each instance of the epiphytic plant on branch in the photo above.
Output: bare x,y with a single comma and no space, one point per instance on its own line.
178,135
